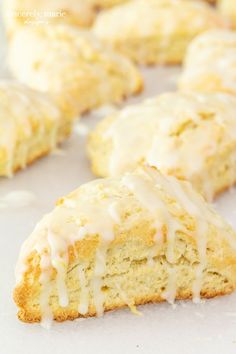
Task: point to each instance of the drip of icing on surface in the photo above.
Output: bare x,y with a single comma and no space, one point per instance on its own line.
17,199
81,129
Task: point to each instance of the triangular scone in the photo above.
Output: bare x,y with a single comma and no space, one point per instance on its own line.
18,13
73,66
124,241
152,31
210,63
228,9
31,125
191,136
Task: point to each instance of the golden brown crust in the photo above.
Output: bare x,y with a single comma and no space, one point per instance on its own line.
24,316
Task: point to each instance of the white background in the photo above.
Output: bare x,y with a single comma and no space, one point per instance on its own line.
187,329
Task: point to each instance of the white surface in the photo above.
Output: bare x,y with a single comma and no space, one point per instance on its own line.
187,329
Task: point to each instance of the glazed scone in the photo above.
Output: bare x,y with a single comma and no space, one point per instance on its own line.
18,13
123,242
73,66
190,136
31,125
210,63
228,9
164,32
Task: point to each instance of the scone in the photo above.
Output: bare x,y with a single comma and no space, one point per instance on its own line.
210,63
190,136
73,66
18,13
31,125
228,9
123,242
151,32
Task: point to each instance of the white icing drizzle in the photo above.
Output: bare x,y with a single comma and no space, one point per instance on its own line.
97,281
46,286
84,290
59,262
114,212
170,293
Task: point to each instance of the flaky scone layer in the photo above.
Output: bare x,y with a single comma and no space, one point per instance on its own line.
124,242
31,125
164,33
188,135
210,63
77,70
